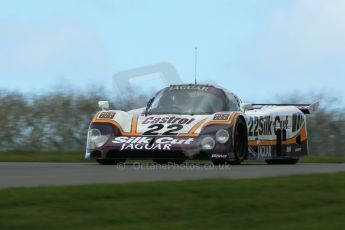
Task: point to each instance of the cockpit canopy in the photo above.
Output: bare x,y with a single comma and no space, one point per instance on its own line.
193,99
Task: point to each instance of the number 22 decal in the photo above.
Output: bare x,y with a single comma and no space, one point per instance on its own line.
156,127
253,126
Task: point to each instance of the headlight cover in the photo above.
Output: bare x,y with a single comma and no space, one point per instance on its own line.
207,143
98,135
222,136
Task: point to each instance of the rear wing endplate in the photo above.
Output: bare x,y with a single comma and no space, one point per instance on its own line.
305,108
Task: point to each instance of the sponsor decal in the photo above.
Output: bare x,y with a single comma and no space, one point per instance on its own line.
189,87
150,143
219,156
260,126
168,120
170,124
298,149
106,115
264,151
266,125
297,121
221,117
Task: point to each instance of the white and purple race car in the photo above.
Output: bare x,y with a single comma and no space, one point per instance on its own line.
195,121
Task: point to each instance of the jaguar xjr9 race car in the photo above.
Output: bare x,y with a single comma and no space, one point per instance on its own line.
200,122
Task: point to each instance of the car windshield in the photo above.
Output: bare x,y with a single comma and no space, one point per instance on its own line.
187,102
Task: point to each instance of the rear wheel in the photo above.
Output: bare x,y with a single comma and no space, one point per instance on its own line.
282,161
109,161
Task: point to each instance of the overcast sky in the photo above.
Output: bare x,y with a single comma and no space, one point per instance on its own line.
256,48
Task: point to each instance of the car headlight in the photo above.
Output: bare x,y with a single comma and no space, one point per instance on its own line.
222,136
207,143
98,135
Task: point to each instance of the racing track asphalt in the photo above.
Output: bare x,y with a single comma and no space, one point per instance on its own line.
46,174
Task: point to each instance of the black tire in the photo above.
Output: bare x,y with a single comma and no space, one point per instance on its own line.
291,161
240,142
109,161
167,162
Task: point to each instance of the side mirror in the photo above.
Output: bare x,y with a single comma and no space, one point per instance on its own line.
246,106
103,105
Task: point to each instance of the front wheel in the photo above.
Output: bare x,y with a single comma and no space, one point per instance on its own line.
109,161
291,161
240,144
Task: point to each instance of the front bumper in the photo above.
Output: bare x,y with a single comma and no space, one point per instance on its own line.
159,147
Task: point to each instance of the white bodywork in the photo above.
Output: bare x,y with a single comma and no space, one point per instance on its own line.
270,118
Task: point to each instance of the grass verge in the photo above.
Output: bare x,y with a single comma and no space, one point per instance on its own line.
294,202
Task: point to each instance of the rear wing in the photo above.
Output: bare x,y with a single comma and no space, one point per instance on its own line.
305,108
